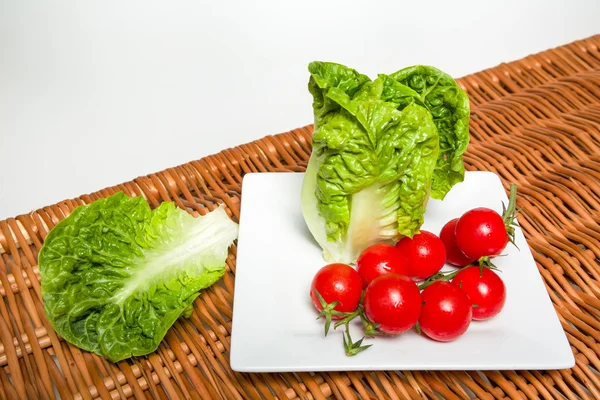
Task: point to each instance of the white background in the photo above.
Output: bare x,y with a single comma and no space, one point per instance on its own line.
93,94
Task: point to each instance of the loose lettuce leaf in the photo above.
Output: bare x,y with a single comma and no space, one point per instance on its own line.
370,172
115,275
449,106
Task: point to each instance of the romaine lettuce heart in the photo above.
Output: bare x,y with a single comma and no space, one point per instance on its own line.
379,149
116,275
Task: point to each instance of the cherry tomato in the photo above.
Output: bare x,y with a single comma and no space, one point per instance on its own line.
481,232
446,312
380,259
394,302
425,254
484,288
337,282
454,255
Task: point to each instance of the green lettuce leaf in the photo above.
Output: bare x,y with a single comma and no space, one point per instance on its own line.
372,164
449,106
116,275
326,76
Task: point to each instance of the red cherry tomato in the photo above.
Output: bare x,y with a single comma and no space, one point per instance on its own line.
425,254
446,312
454,255
394,302
484,288
380,259
337,282
481,232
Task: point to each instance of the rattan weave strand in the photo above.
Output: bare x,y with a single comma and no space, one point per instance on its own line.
535,122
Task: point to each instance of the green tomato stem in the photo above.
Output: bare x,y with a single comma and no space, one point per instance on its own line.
509,213
346,320
441,277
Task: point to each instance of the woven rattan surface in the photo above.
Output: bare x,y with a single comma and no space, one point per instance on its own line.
535,122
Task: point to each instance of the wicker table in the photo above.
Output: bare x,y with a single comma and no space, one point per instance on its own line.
535,122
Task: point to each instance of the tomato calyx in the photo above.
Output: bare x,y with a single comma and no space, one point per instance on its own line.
509,214
486,262
353,348
328,311
350,347
370,329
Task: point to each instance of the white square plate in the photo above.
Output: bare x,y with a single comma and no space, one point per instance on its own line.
274,322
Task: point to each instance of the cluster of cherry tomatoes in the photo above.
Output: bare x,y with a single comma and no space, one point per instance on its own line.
395,288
